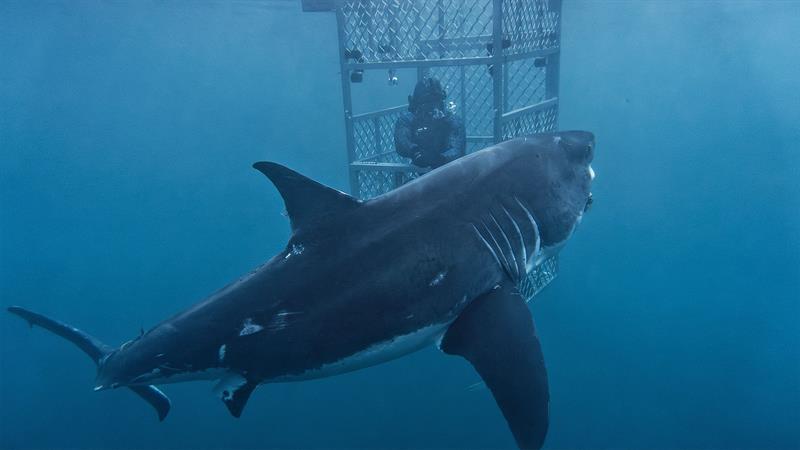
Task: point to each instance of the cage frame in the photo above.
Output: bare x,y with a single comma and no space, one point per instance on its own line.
525,31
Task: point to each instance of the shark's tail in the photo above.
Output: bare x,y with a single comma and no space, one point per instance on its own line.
95,350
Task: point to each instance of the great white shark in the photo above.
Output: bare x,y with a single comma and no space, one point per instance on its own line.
436,261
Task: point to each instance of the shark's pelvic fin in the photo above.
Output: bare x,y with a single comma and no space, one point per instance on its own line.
307,201
495,333
96,350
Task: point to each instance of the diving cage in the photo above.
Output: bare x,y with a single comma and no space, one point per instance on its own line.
498,60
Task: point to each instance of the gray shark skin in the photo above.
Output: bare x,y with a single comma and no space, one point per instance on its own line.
437,260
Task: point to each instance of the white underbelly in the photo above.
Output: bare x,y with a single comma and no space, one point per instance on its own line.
373,355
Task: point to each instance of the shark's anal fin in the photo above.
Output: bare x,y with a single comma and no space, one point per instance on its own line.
307,202
95,350
234,390
495,333
155,398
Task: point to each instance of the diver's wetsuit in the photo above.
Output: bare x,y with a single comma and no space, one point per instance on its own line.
430,142
430,134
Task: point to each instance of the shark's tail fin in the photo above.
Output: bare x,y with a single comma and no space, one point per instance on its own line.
95,350
89,344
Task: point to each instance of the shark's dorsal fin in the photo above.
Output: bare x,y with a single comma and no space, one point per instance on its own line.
307,201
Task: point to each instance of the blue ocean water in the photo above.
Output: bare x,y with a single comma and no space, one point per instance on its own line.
127,130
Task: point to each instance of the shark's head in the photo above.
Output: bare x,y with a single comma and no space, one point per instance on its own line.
555,176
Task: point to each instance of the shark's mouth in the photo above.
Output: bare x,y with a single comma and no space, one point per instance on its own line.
589,200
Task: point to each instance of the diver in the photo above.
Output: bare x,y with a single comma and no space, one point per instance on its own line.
429,133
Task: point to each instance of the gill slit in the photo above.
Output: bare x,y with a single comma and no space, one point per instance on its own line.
510,248
491,250
538,245
506,267
521,239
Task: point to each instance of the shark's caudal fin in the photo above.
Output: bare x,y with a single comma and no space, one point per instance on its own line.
307,202
95,350
496,334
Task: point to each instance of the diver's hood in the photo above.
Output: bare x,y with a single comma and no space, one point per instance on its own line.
427,90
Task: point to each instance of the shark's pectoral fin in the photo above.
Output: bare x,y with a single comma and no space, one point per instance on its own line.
234,390
495,333
307,202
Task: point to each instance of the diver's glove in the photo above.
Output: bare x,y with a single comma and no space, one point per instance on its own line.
418,159
429,158
437,160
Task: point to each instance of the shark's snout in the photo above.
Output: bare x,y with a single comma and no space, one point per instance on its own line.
579,145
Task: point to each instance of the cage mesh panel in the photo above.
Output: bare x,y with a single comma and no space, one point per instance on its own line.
470,88
529,25
539,277
535,122
372,183
401,30
474,146
526,84
373,138
478,104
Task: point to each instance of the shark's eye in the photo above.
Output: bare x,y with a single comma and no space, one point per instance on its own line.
589,148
